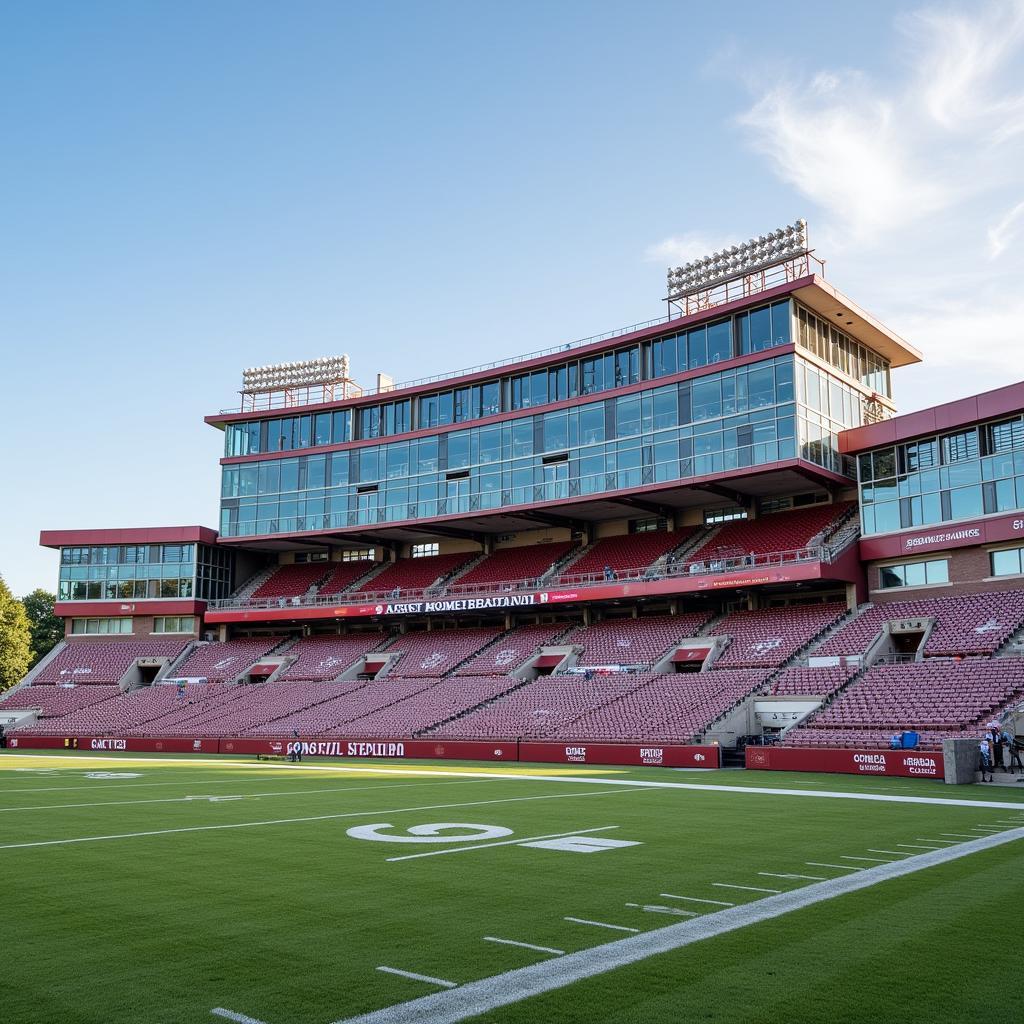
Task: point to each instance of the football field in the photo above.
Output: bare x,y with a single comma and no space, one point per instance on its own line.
166,890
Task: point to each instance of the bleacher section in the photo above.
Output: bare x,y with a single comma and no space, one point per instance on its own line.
666,709
322,658
104,661
55,701
343,575
811,682
441,701
525,563
937,698
435,653
356,700
634,551
217,662
776,532
125,713
641,641
615,707
249,708
971,624
541,707
511,650
771,636
291,580
410,574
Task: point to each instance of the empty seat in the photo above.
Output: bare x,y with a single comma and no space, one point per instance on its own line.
410,574
640,641
516,565
771,636
629,554
104,661
219,661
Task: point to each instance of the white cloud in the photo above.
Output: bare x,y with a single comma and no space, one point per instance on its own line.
912,180
683,248
960,58
1002,233
842,146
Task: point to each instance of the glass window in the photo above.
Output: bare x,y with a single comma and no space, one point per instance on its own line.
490,398
914,574
719,341
663,356
627,416
697,348
556,431
706,398
591,423
1006,562
458,449
781,323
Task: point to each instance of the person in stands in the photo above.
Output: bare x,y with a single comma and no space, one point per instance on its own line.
609,572
985,757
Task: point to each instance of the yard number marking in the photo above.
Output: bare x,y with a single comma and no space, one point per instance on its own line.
429,833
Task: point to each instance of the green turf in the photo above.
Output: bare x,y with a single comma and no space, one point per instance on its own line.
288,922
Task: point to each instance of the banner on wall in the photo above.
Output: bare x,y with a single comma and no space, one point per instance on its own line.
908,763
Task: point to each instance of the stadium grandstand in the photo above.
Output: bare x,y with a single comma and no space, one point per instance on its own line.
709,529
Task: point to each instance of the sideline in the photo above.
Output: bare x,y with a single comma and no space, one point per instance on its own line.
381,771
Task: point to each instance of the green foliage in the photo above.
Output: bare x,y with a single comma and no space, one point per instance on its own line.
47,630
15,638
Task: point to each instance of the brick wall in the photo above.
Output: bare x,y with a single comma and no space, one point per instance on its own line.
969,569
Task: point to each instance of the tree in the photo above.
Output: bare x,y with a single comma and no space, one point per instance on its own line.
15,638
47,630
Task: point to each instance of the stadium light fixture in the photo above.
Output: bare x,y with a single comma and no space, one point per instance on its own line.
325,370
733,261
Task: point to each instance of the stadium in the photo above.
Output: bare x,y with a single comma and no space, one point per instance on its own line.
553,600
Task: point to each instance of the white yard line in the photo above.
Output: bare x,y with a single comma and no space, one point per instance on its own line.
875,860
694,899
895,853
775,874
944,842
822,864
912,846
748,888
293,821
502,842
479,997
388,769
654,908
959,835
239,1018
419,977
234,796
601,924
524,945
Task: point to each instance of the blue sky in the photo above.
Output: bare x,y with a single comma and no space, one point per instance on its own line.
192,188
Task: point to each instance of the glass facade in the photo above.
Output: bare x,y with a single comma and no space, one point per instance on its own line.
961,475
100,627
914,574
735,418
174,624
1007,562
125,572
838,349
749,332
